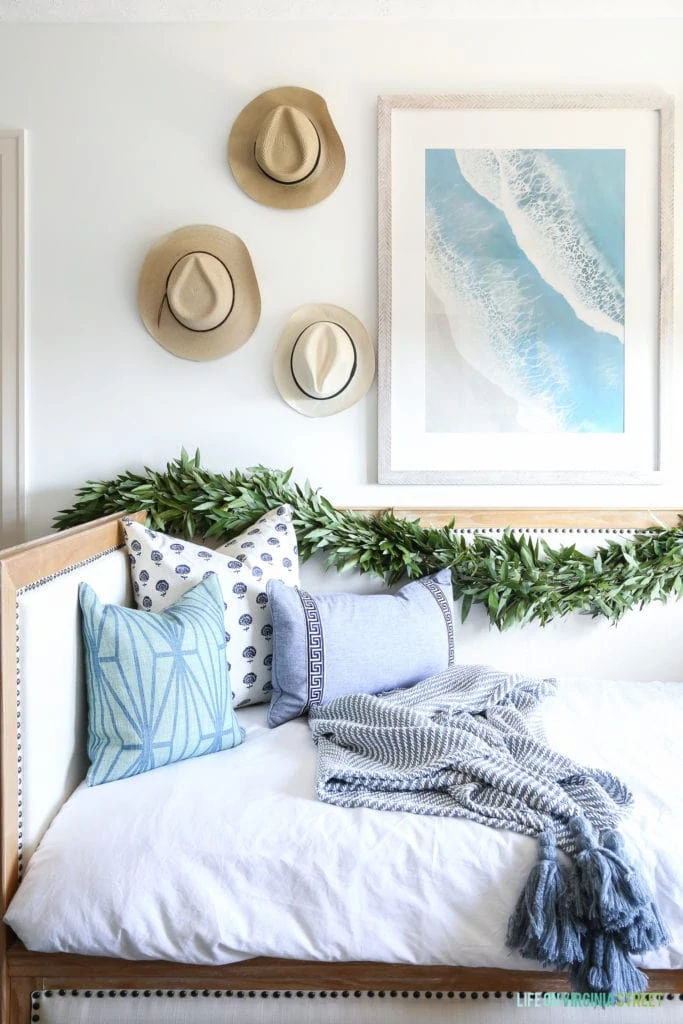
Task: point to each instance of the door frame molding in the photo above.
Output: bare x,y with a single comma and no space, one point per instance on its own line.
12,336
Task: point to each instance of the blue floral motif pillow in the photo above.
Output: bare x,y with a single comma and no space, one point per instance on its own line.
164,567
158,685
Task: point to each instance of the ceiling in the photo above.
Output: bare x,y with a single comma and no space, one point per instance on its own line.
74,11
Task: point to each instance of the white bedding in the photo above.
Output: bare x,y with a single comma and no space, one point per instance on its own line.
230,856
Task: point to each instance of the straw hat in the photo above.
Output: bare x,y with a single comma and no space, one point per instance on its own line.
324,360
284,150
198,294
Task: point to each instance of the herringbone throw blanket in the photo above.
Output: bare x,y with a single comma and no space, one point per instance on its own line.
468,743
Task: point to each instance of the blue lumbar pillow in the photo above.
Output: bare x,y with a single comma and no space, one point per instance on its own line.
158,685
330,645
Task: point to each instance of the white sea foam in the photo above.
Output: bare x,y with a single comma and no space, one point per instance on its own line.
490,316
533,194
553,368
610,373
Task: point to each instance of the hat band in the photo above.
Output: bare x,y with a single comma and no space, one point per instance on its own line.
298,181
196,330
318,398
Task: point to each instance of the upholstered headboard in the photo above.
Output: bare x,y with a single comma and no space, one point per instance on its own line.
43,696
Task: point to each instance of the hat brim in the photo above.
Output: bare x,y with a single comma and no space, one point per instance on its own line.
249,176
158,318
282,360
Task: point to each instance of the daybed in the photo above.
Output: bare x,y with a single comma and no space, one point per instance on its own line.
350,904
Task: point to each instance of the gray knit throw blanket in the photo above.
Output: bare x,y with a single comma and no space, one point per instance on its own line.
469,743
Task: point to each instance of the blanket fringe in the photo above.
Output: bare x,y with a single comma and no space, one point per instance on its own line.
647,930
607,891
606,967
590,920
542,927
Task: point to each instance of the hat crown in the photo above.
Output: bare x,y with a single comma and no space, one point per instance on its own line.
323,360
200,292
287,146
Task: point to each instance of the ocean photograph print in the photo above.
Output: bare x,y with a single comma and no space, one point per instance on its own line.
525,288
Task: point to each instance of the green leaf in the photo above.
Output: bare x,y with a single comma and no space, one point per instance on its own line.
518,580
526,556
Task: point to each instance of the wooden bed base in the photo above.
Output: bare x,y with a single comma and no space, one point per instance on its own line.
32,972
24,972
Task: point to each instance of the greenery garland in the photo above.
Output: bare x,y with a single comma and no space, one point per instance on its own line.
516,578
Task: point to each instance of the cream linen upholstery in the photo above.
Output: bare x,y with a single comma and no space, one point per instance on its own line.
52,686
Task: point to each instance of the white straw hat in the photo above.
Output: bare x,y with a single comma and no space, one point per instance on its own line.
324,361
284,150
198,294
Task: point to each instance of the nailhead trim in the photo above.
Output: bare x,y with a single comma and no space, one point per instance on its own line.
487,531
74,993
23,590
20,766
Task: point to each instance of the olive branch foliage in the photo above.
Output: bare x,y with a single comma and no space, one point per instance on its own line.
517,578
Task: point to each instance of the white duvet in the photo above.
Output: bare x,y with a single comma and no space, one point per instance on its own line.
231,855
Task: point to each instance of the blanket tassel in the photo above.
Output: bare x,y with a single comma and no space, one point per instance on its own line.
606,967
647,930
541,926
608,892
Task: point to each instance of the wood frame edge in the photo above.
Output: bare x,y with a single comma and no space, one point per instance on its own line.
69,971
20,565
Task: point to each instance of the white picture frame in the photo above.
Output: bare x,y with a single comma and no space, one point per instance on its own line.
451,212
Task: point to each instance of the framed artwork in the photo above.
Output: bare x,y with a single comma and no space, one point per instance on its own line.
525,288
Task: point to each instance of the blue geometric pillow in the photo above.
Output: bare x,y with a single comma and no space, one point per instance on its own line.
158,684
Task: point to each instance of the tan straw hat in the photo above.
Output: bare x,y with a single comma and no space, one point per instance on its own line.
284,150
198,294
324,361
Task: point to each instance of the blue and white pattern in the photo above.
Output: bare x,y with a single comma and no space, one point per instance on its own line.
465,743
163,568
525,290
469,743
446,607
158,685
315,649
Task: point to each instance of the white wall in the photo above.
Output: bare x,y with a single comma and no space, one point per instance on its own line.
127,140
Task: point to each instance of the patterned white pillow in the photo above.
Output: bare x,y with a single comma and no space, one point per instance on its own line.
163,568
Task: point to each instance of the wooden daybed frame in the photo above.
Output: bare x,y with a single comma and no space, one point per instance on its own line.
24,972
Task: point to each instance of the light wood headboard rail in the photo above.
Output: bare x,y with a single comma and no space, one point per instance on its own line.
548,518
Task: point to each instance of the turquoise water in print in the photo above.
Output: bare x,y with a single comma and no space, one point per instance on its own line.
524,266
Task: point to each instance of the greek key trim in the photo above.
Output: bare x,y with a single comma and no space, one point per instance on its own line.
437,593
315,650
